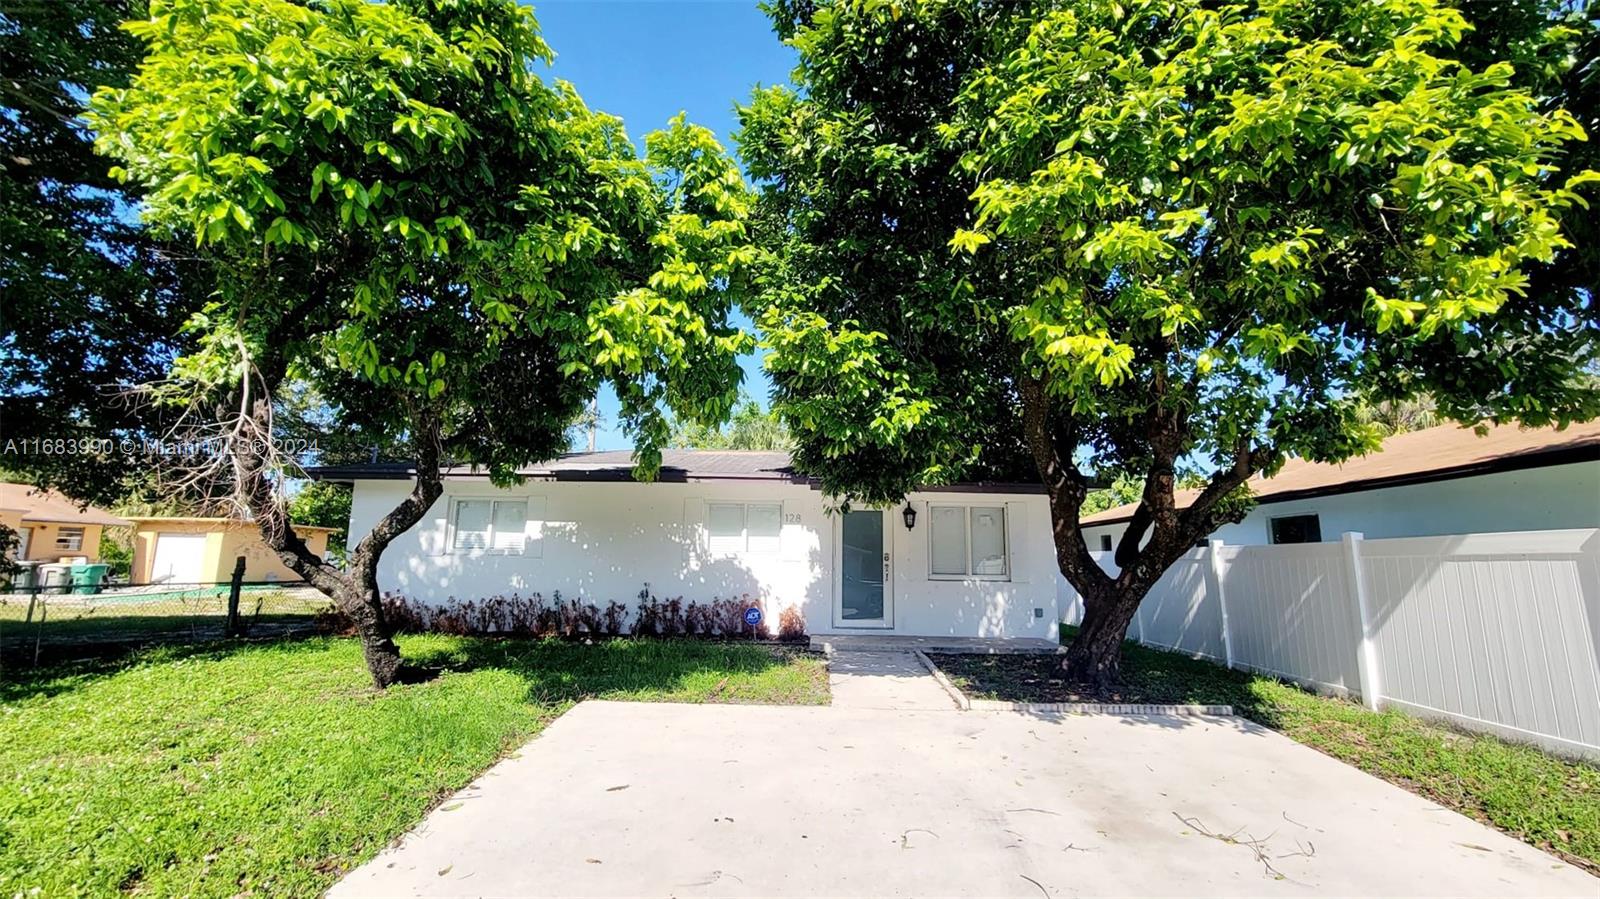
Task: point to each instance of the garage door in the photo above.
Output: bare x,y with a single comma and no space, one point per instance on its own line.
180,558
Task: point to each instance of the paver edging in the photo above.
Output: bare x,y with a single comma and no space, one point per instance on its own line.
1101,708
960,698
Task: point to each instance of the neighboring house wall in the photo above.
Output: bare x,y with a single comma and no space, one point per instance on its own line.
1558,496
43,535
223,543
604,542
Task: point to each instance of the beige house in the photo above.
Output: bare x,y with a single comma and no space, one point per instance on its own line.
194,550
53,527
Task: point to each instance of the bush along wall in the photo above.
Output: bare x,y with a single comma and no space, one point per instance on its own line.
533,616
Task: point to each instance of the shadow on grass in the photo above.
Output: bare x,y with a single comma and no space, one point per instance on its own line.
554,671
566,671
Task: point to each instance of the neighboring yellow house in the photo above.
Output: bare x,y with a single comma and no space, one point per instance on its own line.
203,550
52,526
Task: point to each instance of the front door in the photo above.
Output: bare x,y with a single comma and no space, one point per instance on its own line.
866,597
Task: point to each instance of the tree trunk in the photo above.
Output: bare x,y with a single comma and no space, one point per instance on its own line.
1095,654
361,601
355,591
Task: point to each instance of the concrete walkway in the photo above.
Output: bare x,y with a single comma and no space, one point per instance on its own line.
884,680
655,799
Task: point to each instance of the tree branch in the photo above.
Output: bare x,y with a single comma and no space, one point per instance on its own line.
1064,484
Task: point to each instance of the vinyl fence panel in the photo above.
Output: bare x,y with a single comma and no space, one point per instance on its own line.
1495,632
1182,612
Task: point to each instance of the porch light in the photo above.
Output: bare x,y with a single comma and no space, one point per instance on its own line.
910,515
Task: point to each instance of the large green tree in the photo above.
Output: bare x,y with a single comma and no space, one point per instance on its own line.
1165,234
749,427
412,222
90,303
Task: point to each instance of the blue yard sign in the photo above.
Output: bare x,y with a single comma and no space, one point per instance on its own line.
752,616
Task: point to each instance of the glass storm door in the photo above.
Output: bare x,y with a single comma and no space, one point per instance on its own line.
865,598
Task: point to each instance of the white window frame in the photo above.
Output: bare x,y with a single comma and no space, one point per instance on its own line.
744,529
488,549
75,546
966,532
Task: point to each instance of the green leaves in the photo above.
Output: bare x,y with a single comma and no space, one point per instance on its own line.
406,214
1235,217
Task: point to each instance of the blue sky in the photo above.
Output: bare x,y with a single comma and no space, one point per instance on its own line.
646,60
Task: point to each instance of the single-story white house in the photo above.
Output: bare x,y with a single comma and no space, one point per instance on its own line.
974,560
1433,482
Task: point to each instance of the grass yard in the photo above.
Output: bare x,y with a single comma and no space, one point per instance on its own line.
270,769
1548,802
120,616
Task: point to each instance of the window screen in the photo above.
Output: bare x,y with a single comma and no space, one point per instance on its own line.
764,522
510,526
725,524
1105,543
948,540
988,541
472,524
1297,529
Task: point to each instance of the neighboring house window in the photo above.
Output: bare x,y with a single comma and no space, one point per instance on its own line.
1105,543
744,527
967,541
495,526
69,539
1297,529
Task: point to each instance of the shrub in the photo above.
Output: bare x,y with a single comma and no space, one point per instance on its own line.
791,624
697,620
531,616
615,619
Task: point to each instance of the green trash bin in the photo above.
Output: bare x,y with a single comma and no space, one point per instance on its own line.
86,579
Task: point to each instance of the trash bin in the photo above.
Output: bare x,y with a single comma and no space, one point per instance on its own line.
26,577
55,578
86,579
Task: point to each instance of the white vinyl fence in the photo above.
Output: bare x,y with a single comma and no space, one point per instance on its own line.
1496,632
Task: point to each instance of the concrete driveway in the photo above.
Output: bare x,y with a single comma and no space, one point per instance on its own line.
621,799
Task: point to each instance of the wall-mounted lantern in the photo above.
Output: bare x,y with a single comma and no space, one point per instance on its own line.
910,515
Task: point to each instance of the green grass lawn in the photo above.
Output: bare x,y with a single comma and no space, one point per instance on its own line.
1548,802
70,620
270,769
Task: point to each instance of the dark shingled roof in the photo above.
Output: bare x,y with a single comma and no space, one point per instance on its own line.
612,465
677,465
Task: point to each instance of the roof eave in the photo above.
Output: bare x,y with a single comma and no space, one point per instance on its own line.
1520,462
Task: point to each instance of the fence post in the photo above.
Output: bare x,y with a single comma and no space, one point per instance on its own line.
1367,648
1214,556
233,597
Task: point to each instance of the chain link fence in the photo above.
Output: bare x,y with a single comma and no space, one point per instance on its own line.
53,623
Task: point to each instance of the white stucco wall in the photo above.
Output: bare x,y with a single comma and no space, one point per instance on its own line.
604,541
1535,499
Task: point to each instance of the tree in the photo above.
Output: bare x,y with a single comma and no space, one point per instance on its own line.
1197,235
749,428
406,218
92,304
324,504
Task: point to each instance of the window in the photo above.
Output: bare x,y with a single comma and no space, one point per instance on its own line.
69,539
1297,529
1105,543
967,541
495,526
744,527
